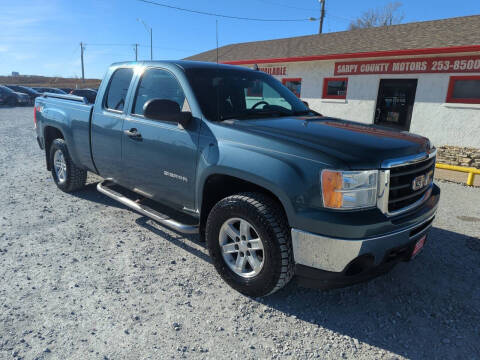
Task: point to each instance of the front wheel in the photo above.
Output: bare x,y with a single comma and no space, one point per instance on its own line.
67,176
249,241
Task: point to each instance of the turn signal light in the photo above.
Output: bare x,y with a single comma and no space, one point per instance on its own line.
331,185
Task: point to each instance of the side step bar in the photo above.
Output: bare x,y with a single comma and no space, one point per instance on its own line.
145,210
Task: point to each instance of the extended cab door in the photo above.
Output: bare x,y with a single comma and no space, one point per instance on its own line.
107,123
160,158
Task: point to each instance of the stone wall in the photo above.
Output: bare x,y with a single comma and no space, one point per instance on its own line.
462,156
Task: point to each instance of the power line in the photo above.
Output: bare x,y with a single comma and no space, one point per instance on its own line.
340,17
287,6
139,45
94,44
222,15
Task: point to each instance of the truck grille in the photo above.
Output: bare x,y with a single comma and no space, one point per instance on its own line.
402,190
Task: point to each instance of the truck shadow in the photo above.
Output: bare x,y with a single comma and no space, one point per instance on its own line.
434,299
194,246
90,193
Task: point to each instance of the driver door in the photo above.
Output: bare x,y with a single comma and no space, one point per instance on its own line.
160,159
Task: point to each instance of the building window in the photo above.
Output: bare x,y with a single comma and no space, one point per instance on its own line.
294,85
464,89
335,88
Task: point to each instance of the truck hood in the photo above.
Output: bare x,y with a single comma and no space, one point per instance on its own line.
358,145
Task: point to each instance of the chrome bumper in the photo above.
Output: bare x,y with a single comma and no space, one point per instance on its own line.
332,254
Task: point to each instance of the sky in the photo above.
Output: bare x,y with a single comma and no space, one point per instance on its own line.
43,37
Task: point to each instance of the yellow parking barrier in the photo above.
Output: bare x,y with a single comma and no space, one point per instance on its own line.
470,170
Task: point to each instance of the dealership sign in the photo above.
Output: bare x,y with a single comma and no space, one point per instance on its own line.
274,70
453,64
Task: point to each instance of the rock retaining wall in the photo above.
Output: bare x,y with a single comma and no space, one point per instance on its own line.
461,156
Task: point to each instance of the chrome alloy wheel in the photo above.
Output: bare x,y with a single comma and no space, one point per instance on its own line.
242,247
60,166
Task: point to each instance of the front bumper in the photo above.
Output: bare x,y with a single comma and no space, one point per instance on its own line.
325,261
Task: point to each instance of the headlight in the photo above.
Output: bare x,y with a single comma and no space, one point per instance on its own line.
349,189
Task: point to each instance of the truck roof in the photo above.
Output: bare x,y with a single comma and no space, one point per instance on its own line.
185,64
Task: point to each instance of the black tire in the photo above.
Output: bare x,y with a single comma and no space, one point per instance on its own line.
270,223
75,178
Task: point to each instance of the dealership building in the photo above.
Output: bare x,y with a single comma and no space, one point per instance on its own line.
421,77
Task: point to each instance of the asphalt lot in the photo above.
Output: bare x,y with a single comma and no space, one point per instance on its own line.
82,277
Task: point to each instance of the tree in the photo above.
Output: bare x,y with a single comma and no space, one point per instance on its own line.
382,16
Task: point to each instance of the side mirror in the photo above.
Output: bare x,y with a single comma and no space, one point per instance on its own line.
306,104
166,110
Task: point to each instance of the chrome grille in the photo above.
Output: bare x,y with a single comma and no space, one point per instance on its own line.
402,192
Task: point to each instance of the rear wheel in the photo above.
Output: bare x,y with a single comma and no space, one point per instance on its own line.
65,173
248,239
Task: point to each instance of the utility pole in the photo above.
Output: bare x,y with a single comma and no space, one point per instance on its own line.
136,52
322,16
81,56
216,35
150,30
151,44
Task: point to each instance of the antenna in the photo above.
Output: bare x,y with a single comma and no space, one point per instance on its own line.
216,34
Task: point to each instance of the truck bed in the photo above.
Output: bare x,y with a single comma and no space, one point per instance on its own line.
72,116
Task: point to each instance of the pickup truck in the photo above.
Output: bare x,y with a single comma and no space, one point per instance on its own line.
274,188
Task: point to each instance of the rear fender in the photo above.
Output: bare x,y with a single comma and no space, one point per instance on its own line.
74,128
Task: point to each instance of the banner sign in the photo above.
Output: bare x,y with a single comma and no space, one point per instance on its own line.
274,70
453,64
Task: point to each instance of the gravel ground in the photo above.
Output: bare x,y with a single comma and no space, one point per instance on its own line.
83,277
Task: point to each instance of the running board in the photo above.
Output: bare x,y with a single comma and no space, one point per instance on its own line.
145,210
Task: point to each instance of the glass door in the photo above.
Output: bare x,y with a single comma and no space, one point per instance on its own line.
395,103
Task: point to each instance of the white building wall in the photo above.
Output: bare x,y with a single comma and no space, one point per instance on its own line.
444,124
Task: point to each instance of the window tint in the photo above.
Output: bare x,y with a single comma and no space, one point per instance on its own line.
225,93
159,84
118,88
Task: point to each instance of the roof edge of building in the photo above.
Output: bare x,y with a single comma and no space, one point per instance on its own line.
369,54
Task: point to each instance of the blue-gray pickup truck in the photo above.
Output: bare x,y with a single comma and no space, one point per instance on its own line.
274,188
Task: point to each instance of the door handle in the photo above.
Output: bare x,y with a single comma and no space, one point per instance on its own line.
133,134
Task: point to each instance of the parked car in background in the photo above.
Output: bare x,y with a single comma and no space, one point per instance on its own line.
89,94
67,90
50,90
7,96
12,98
32,94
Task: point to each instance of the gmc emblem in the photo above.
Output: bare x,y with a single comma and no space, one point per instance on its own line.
421,181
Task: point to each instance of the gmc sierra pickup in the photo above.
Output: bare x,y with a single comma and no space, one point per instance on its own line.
274,188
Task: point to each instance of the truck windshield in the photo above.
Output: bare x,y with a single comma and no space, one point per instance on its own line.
241,94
